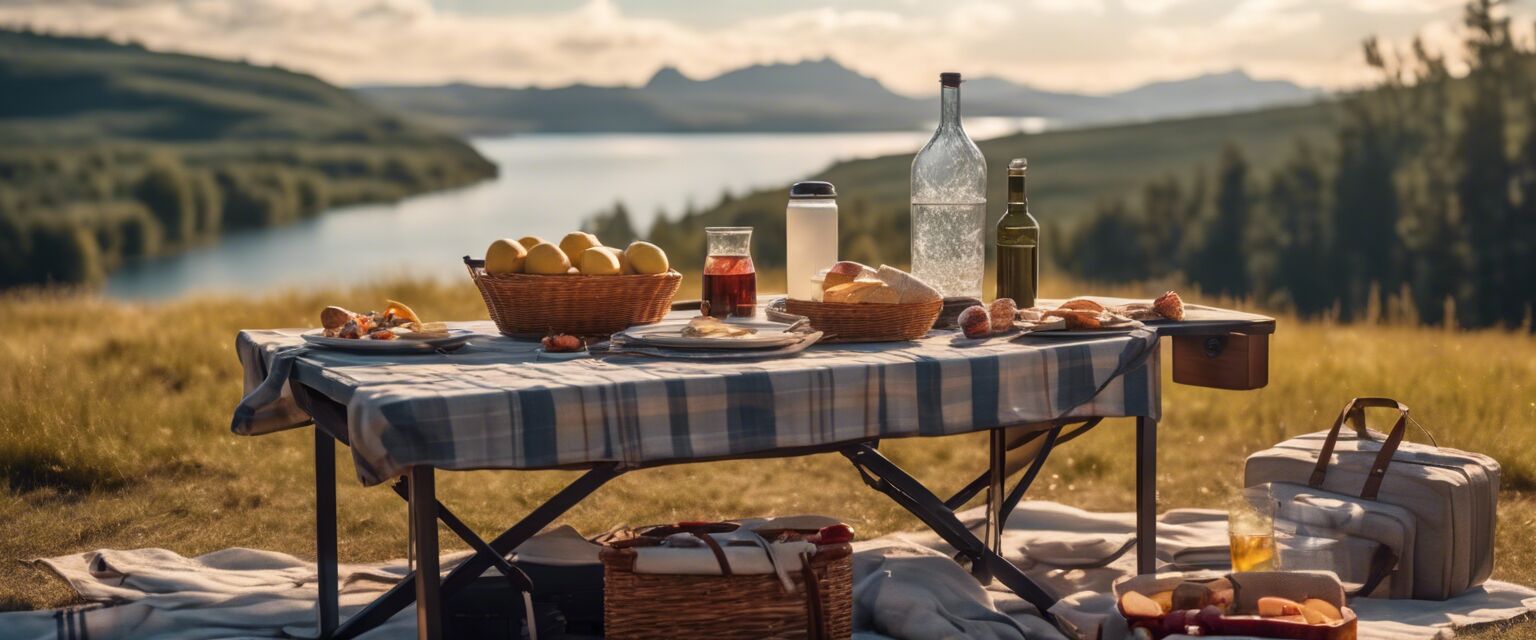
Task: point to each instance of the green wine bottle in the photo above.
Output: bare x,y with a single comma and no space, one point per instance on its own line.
1018,243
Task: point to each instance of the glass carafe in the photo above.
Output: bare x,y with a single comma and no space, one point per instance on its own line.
730,280
949,203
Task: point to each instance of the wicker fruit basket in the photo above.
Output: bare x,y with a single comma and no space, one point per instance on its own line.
646,606
530,306
867,322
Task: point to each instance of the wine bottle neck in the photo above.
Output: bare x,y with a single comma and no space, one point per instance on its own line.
1018,193
949,106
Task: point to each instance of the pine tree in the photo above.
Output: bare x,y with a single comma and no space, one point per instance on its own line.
1485,172
1168,218
1296,205
1219,263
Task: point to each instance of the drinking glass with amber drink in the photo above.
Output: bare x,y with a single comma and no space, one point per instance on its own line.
730,280
1251,533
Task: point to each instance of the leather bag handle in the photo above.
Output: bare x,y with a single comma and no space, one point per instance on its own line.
1383,564
1354,412
714,547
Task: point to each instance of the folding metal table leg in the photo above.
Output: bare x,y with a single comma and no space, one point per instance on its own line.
1146,495
402,594
429,605
884,476
997,473
325,532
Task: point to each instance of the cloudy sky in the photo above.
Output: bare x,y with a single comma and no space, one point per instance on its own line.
1079,45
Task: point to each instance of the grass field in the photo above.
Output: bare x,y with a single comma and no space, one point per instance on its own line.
114,433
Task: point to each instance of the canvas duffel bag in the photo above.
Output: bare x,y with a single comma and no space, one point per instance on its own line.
1450,497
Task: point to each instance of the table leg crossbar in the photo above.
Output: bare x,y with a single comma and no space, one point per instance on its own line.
884,476
969,491
422,586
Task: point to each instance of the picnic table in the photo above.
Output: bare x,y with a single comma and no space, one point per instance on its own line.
494,405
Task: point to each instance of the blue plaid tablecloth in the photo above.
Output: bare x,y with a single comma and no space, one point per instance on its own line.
492,405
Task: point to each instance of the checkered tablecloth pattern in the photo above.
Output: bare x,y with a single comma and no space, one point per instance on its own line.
492,405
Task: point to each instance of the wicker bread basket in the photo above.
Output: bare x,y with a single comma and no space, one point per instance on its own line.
647,606
528,305
868,322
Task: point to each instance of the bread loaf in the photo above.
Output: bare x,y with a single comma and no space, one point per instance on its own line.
908,288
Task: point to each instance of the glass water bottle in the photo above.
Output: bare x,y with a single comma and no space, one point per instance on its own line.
1018,242
949,203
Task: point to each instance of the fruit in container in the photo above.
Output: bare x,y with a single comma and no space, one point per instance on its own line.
505,256
546,259
1323,609
1133,604
977,323
598,262
576,242
1273,607
618,254
646,258
529,241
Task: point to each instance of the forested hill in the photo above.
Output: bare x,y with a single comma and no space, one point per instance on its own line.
84,90
113,152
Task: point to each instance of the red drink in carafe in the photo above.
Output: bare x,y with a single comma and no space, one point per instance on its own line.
730,286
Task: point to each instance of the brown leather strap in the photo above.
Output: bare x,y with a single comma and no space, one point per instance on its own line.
1383,563
714,547
816,623
1355,413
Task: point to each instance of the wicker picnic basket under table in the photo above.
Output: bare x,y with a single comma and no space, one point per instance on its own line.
529,306
868,322
647,606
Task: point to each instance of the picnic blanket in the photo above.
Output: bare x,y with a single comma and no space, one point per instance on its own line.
905,587
492,405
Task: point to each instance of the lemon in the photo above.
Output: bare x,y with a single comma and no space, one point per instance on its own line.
576,242
647,258
529,241
597,261
546,259
624,266
505,256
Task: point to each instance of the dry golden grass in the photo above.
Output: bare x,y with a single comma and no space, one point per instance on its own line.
113,433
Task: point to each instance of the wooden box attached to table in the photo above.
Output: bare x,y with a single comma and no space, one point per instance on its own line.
1237,361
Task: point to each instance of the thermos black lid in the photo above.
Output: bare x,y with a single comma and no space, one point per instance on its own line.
812,189
949,79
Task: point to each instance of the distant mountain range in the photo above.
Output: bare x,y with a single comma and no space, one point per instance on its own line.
819,95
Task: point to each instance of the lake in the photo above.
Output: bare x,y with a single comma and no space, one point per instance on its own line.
547,186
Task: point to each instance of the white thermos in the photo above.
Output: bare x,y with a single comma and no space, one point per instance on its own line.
810,228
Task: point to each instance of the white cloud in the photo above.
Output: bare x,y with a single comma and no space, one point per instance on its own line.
1151,7
1405,6
1095,7
1060,44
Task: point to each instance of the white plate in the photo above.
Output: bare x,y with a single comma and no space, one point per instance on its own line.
670,334
455,339
1080,333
